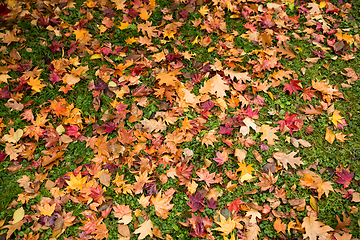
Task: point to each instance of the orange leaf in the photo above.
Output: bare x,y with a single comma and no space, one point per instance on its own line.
76,183
46,209
162,205
329,136
279,226
35,84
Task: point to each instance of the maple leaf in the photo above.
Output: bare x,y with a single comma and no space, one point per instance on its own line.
204,175
221,158
196,202
226,130
266,182
246,171
335,118
209,138
286,159
35,84
46,209
121,210
199,225
323,187
292,87
234,206
226,226
344,177
211,203
76,182
291,121
314,229
279,226
168,78
308,93
215,85
162,205
145,229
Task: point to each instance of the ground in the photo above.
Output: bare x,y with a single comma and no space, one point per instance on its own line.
178,120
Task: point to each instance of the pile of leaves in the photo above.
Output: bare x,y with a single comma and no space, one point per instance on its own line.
203,119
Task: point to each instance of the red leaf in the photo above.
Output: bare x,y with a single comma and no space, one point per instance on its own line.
344,177
292,87
293,123
226,130
308,94
73,130
196,202
234,206
221,158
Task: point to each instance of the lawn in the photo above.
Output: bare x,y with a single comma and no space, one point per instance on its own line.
168,120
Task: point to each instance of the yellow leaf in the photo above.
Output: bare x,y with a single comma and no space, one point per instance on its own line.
204,10
322,4
162,205
336,118
18,215
76,183
232,237
36,84
279,226
131,40
246,171
329,136
152,3
47,210
210,49
144,14
95,56
192,187
4,78
196,40
119,4
271,95
226,226
123,25
13,137
314,204
70,79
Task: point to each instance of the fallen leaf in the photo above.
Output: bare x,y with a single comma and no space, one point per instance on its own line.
145,229
314,229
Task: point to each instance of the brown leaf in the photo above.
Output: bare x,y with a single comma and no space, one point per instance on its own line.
257,156
266,181
145,229
162,205
12,228
342,224
314,229
105,178
240,154
298,204
123,230
14,105
286,159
